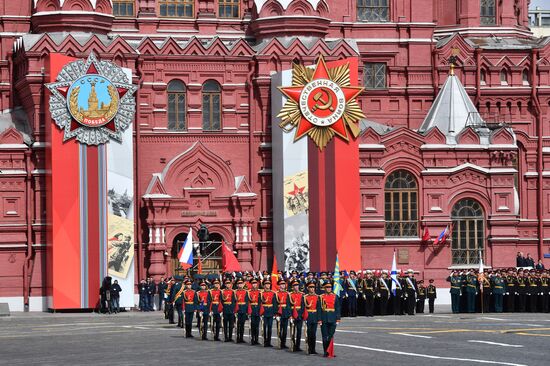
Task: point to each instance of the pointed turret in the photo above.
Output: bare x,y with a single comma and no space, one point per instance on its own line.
452,111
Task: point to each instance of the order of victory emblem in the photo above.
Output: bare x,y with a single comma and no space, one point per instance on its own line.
92,101
321,103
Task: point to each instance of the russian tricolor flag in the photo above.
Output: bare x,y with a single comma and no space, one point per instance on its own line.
185,255
442,238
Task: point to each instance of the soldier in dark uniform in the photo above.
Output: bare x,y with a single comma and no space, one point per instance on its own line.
330,316
202,304
545,292
368,289
312,317
456,291
284,312
350,286
228,302
471,291
176,300
522,291
533,291
216,308
432,295
511,291
486,284
267,311
253,299
161,287
421,300
384,292
241,309
189,308
498,288
296,299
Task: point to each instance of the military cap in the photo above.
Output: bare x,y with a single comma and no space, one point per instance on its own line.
311,284
295,283
216,281
187,282
310,274
352,272
227,280
369,271
267,280
323,273
385,271
327,284
431,280
281,281
410,271
240,280
253,280
203,283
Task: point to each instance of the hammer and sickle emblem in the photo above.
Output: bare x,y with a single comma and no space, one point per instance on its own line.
319,98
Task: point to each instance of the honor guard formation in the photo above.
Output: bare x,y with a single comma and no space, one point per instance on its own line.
500,290
297,303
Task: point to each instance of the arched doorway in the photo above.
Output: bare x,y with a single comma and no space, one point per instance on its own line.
468,232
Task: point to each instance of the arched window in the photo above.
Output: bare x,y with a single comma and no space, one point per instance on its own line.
487,12
211,106
503,77
525,77
228,9
483,77
401,200
177,106
177,8
468,231
373,10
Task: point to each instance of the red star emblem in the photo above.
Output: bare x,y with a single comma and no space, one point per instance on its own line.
296,190
322,102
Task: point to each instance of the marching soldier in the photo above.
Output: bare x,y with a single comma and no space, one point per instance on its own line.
296,299
498,289
432,295
456,291
228,301
312,317
471,291
241,309
216,308
283,314
420,301
267,311
253,299
188,308
368,289
410,290
176,300
511,291
330,316
203,309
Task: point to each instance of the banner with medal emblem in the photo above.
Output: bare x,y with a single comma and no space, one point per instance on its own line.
89,186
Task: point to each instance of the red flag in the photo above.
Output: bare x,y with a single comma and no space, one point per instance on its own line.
330,349
305,315
229,261
426,236
294,313
274,275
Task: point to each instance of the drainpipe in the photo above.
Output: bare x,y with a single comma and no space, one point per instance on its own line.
26,265
251,66
477,52
540,164
434,71
136,174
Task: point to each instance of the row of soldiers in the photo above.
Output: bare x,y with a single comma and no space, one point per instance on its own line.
229,309
510,290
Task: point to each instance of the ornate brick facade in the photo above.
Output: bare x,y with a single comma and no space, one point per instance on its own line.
222,178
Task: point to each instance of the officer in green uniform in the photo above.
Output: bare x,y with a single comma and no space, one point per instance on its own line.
522,291
330,316
421,300
471,291
545,291
533,291
511,291
497,287
456,291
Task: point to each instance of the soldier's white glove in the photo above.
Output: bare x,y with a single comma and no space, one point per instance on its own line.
277,318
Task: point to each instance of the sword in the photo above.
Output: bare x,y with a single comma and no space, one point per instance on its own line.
212,326
262,327
201,326
292,334
278,332
307,338
235,323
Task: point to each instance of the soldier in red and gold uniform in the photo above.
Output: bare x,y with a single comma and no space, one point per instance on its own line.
296,299
202,305
330,317
216,309
268,308
188,308
228,301
312,316
253,299
283,314
241,309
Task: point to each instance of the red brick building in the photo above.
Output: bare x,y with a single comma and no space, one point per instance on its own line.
202,136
